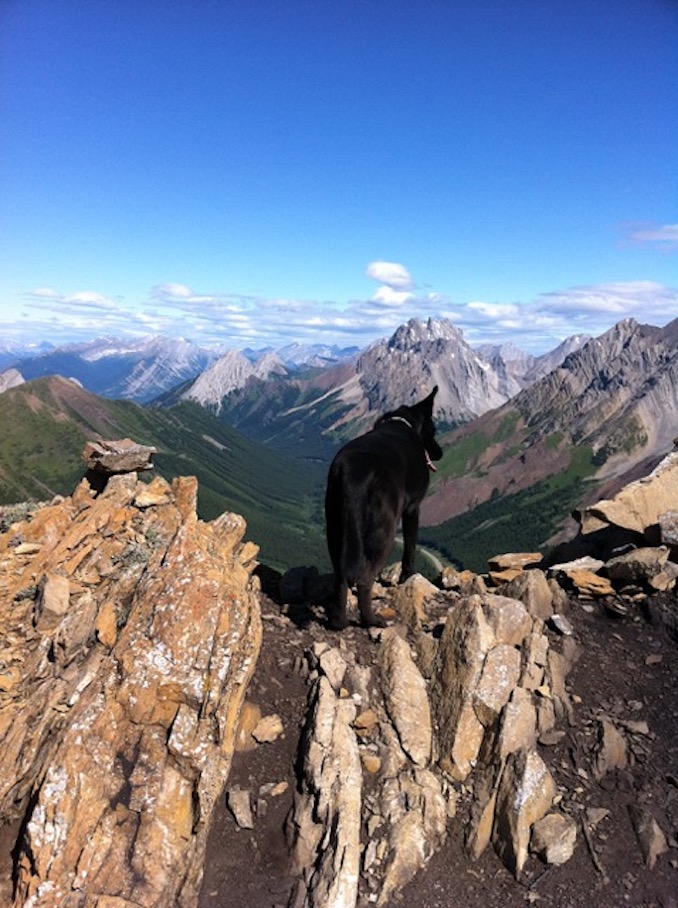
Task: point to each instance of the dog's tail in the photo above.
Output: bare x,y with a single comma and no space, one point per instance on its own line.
344,540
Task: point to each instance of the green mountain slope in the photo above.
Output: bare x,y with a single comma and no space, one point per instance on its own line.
46,422
521,520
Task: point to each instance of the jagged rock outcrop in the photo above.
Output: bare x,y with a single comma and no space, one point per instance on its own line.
641,508
131,631
121,456
455,695
361,718
626,546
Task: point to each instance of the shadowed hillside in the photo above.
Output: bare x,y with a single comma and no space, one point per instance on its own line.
46,423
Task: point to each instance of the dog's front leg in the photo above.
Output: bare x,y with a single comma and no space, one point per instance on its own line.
410,532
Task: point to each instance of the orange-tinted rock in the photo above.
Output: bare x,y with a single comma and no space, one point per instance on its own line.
121,701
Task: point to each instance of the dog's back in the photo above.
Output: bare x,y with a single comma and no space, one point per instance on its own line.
373,482
364,500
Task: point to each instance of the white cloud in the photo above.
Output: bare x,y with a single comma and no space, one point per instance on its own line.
389,297
541,324
638,299
390,273
91,300
45,293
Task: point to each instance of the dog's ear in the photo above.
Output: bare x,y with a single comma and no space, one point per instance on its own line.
428,401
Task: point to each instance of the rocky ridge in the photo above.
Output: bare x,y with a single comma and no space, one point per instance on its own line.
231,372
133,630
130,631
614,393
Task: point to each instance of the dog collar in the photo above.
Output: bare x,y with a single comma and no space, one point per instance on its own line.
429,462
400,419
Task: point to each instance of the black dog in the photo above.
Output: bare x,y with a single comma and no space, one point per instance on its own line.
375,481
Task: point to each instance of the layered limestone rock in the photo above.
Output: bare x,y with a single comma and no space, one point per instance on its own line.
639,506
363,723
452,700
132,629
324,830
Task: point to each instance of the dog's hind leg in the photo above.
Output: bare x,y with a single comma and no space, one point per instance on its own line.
367,616
337,612
410,531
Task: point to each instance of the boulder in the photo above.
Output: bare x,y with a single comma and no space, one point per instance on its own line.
588,584
497,682
515,560
465,642
638,506
638,565
415,813
409,600
651,837
532,588
406,699
507,618
452,579
525,795
518,729
554,838
324,827
121,456
611,751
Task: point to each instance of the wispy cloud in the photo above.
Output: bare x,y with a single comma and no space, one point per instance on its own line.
553,316
661,236
229,319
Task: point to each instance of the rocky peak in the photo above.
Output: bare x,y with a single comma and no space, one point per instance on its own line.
229,373
268,365
547,362
418,334
422,354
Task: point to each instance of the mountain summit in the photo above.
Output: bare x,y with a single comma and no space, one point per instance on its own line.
422,354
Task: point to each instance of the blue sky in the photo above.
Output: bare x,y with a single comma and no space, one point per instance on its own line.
247,172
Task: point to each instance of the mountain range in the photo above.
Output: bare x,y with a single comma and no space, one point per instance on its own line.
526,438
142,369
311,411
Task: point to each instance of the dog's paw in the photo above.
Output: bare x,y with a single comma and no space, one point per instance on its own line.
375,621
337,624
